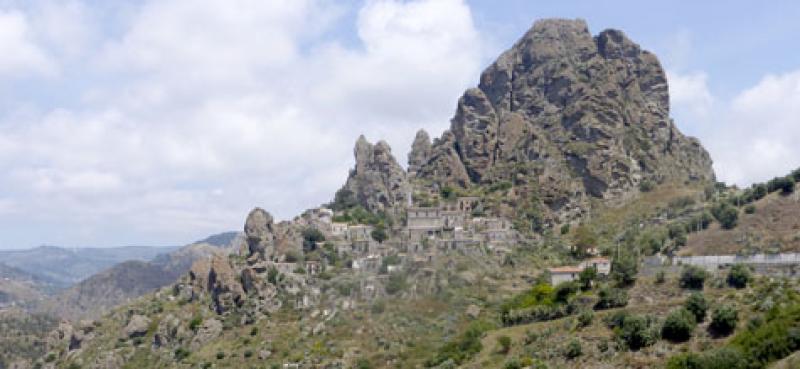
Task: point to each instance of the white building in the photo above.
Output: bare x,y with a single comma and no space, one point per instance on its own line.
564,274
602,265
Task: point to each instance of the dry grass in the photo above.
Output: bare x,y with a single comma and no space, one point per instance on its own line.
774,227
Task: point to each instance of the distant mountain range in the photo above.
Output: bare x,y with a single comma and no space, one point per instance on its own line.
85,282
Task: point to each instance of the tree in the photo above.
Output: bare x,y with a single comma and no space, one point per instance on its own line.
739,276
623,270
693,277
564,290
697,305
726,214
724,320
610,297
636,332
379,234
584,239
311,236
678,326
586,277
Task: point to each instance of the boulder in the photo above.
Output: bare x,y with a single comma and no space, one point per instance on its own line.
137,326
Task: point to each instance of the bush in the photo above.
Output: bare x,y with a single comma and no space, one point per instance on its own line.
220,355
697,305
379,234
610,297
586,277
624,270
248,353
739,276
678,326
363,364
564,290
397,283
573,349
750,209
181,353
195,323
565,229
724,320
461,348
637,332
722,358
646,186
512,364
503,344
311,236
693,277
726,214
585,318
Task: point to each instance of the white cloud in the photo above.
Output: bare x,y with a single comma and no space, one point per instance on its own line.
200,110
752,136
19,53
690,91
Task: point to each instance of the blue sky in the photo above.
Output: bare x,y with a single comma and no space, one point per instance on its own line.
160,122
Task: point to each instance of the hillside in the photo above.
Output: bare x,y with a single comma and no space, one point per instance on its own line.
565,148
772,227
93,296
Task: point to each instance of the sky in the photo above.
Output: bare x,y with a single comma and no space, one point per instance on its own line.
159,122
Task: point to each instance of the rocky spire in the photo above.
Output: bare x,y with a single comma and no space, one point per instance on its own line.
420,151
377,182
260,233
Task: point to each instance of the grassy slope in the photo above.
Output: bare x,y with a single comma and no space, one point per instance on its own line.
774,227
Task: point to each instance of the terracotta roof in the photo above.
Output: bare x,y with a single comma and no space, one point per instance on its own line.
566,269
597,260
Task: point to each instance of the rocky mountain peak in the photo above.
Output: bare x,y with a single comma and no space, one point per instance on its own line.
570,117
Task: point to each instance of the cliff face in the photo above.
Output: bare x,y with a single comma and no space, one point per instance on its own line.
569,117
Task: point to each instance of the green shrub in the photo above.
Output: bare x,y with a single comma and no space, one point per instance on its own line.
624,270
693,277
573,349
750,209
646,186
697,305
724,320
363,364
565,229
722,358
585,318
503,344
195,323
739,276
637,331
564,291
726,214
461,348
248,353
512,364
379,234
181,353
586,277
678,326
610,297
396,283
220,355
311,236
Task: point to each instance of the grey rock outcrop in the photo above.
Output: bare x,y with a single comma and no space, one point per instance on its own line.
377,182
137,326
260,233
569,117
420,152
